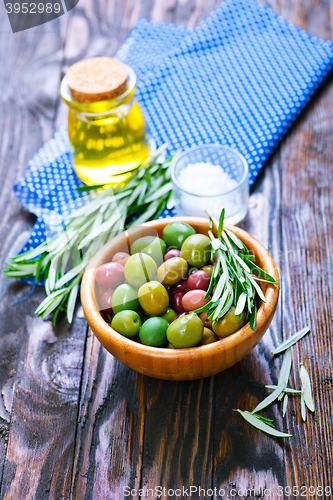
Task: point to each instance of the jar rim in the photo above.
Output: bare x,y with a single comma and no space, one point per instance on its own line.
89,108
178,158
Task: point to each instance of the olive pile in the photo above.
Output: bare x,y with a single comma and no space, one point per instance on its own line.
153,292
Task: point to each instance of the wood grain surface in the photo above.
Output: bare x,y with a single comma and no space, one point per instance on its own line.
77,424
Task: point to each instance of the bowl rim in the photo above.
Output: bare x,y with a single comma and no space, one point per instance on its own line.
104,330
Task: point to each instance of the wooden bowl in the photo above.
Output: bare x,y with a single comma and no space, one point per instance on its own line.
178,364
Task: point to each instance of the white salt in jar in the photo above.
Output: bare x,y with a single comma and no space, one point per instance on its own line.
211,178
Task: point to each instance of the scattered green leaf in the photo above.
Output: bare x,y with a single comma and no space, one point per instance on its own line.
303,408
291,341
306,388
259,424
270,399
284,405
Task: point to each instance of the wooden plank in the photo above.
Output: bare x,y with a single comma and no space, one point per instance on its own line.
37,403
306,232
178,439
307,283
110,432
22,133
43,424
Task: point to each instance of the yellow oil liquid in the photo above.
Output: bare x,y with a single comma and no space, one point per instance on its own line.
106,148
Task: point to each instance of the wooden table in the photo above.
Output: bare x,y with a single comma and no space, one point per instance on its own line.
74,422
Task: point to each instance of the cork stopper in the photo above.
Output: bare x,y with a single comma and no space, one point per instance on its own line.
97,79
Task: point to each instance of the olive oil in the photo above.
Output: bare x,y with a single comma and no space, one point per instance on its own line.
107,137
102,150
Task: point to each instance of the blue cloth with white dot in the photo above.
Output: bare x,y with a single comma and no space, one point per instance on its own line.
241,78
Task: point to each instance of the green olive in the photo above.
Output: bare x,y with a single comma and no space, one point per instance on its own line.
169,315
153,332
152,246
126,323
208,269
229,323
196,250
124,297
139,269
172,271
175,234
153,298
208,337
185,332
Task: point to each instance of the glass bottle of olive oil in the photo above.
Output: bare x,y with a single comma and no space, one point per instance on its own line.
108,136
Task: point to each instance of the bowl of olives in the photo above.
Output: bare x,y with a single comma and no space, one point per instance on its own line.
180,298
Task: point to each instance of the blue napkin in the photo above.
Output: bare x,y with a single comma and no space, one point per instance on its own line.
240,78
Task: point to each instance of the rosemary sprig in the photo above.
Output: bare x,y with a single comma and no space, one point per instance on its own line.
281,391
62,260
234,276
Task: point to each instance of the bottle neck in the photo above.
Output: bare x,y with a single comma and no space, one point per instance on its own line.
106,111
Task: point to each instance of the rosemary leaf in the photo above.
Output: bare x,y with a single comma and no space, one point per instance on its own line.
259,424
257,288
160,192
39,267
71,302
242,263
20,273
57,310
149,213
260,272
52,306
284,405
240,304
303,408
216,244
287,390
285,371
221,303
203,308
226,307
90,188
267,421
270,399
306,388
52,273
30,254
235,239
291,341
253,317
285,368
221,220
220,286
48,301
70,275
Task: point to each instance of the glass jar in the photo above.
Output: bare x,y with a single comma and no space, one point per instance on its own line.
211,177
108,138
